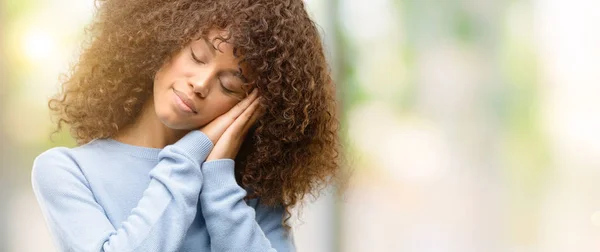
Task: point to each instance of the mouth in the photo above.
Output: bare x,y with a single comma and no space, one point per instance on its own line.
186,102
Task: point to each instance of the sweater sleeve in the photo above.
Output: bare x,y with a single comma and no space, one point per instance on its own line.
160,220
231,223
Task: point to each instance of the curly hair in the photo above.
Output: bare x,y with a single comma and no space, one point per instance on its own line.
293,150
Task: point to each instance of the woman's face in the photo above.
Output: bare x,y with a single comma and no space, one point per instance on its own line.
198,84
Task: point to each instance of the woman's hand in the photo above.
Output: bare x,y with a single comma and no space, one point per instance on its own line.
230,142
229,130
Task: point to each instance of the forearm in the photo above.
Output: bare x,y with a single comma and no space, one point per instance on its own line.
231,223
159,221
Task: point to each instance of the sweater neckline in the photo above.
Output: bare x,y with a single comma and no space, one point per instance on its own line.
133,150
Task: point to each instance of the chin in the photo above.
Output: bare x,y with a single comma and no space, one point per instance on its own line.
173,121
177,126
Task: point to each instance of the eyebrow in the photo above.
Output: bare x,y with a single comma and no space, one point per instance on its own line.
236,73
233,72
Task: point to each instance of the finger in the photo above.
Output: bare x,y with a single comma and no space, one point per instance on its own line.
241,106
219,125
258,113
238,127
248,113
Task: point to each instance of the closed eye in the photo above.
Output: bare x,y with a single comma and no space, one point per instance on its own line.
227,90
230,92
194,57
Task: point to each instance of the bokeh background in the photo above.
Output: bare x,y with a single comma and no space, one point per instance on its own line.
471,125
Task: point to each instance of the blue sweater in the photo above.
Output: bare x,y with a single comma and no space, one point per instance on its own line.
111,196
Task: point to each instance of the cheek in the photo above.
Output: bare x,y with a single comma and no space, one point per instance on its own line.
161,82
220,107
211,110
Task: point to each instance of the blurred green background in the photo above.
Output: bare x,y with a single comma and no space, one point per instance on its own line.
471,125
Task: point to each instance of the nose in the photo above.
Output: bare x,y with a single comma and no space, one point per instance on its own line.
200,84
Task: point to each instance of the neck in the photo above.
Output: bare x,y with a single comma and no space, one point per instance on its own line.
148,131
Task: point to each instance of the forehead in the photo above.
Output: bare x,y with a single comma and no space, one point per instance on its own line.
214,39
223,50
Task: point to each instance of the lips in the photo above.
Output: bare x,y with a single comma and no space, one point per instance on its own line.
187,101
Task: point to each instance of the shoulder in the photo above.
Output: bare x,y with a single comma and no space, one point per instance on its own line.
55,166
55,157
61,153
62,157
53,154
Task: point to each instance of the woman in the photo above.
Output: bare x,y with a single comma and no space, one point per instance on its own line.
199,124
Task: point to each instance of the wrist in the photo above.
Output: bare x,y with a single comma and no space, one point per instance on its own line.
218,173
215,155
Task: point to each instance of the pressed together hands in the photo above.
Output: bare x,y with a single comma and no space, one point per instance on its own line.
228,131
